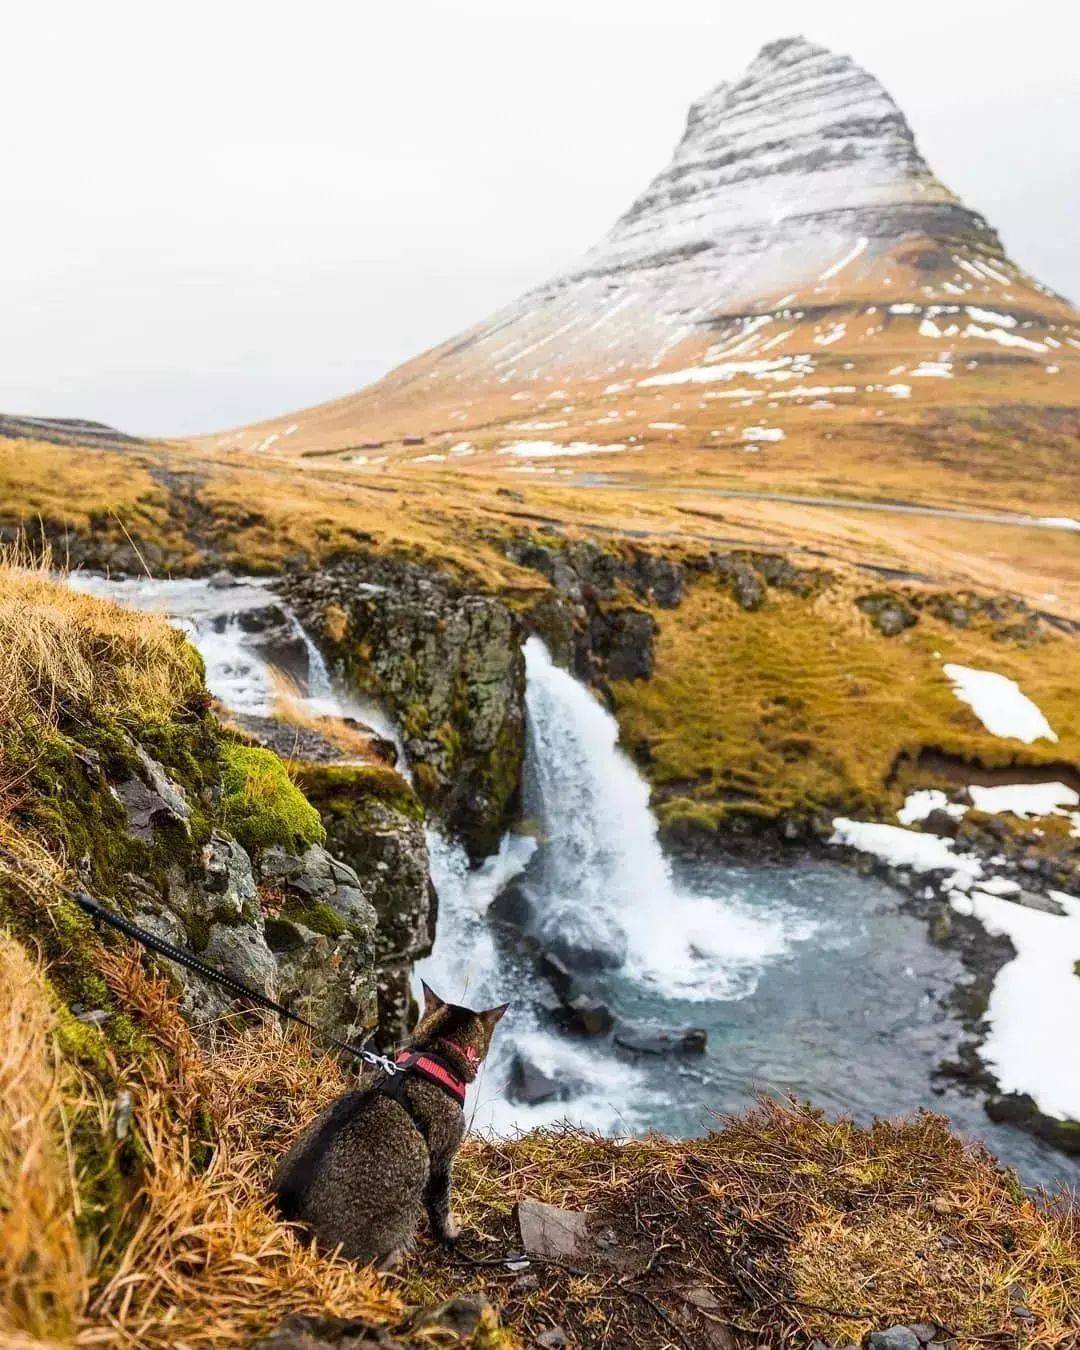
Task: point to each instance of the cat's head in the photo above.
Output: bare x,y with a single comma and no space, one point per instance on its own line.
460,1034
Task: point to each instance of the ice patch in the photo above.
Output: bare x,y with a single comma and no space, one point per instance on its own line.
999,704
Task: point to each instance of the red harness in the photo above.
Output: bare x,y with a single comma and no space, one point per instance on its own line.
434,1070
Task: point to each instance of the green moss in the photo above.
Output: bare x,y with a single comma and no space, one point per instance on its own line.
317,916
345,790
260,803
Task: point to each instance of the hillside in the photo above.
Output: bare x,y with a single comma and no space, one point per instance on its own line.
134,1154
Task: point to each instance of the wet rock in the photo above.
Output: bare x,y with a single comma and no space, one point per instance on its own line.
222,581
622,640
514,905
942,823
648,1040
530,1086
310,1332
926,1331
583,1015
895,1338
548,1231
448,664
374,823
587,951
1045,904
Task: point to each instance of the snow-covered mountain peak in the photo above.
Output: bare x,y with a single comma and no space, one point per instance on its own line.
805,141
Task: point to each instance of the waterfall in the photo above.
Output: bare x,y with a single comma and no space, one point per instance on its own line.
600,858
601,889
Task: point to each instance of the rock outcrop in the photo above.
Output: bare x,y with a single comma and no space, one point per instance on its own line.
447,664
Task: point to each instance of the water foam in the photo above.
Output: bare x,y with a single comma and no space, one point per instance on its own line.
601,877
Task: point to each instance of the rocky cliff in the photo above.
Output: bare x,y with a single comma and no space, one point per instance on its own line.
447,663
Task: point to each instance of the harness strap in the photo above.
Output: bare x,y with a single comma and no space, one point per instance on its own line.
433,1067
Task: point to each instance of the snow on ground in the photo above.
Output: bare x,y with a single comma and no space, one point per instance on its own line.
552,449
849,257
1025,799
1034,1007
666,426
1060,522
991,316
999,704
763,434
933,370
919,805
908,848
724,370
1003,339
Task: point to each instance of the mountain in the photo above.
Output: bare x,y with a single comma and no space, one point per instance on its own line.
794,273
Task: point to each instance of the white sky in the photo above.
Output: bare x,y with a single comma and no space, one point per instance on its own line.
215,212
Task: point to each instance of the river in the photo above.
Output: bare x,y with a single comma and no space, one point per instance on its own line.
808,979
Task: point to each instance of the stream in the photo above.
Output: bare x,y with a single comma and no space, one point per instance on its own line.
807,978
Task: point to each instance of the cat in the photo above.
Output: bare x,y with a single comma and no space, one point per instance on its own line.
361,1175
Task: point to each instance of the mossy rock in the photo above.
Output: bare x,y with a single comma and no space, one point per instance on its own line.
345,789
261,805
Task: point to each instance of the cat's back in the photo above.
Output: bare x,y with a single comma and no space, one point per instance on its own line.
357,1176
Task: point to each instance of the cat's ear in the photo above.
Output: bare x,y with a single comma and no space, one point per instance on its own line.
432,1002
491,1015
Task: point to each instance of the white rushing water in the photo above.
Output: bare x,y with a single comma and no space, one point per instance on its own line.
226,624
603,886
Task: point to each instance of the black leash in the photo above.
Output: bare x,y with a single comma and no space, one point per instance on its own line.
182,957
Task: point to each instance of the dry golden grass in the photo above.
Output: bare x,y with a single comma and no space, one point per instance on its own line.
354,743
803,706
794,1225
64,654
72,485
43,1283
206,1264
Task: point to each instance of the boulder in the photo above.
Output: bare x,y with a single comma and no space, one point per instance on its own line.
894,1338
548,1231
584,1015
650,1040
530,1086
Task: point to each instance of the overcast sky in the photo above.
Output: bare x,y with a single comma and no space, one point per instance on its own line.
215,212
